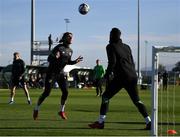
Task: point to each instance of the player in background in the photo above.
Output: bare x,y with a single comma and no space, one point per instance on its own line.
120,74
50,41
98,72
165,80
18,71
60,56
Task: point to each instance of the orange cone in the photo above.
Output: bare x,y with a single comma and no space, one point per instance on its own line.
171,132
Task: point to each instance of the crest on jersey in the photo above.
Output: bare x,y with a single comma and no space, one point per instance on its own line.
70,53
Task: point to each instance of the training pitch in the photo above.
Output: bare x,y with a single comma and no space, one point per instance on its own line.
123,119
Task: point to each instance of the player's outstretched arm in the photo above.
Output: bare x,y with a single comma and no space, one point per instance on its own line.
79,59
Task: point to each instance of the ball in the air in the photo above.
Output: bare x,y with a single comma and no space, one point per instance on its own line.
84,8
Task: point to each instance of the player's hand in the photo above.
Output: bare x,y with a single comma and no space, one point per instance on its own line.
80,58
20,77
58,55
109,77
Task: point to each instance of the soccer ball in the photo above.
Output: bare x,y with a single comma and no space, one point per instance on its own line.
84,8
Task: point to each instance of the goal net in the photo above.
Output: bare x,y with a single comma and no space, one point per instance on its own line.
165,118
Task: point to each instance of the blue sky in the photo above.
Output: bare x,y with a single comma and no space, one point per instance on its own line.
159,25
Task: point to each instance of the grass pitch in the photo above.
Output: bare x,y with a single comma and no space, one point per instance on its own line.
82,108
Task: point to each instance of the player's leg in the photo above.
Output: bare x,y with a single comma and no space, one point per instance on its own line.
23,83
27,94
97,87
48,85
14,83
62,82
132,90
100,86
12,94
111,89
165,85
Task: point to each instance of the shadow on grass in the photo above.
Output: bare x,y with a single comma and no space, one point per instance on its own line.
83,125
86,121
40,128
29,119
68,128
163,123
83,110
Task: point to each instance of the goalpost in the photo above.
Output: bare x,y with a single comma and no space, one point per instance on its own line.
154,89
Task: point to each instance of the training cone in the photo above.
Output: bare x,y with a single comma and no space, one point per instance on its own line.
171,132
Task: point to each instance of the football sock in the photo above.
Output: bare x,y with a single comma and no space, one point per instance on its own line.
28,99
101,118
62,108
147,119
12,99
36,107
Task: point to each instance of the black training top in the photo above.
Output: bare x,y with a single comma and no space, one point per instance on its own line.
18,68
120,61
57,65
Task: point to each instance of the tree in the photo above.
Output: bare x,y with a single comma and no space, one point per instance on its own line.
177,67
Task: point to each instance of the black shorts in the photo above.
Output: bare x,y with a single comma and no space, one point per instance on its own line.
16,81
61,79
117,84
98,82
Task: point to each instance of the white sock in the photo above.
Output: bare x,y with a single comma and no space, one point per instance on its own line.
11,99
62,108
101,118
147,119
28,99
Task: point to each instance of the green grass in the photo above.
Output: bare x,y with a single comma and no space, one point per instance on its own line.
82,108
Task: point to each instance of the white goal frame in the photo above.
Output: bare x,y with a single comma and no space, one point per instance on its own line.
154,89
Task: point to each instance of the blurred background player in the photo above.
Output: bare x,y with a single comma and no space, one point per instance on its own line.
165,80
120,74
50,41
60,56
18,71
98,72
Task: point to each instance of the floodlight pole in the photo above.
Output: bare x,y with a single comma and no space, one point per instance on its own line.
138,53
67,21
32,28
146,43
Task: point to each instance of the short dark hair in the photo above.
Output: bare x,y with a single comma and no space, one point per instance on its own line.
64,36
116,31
114,35
15,53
